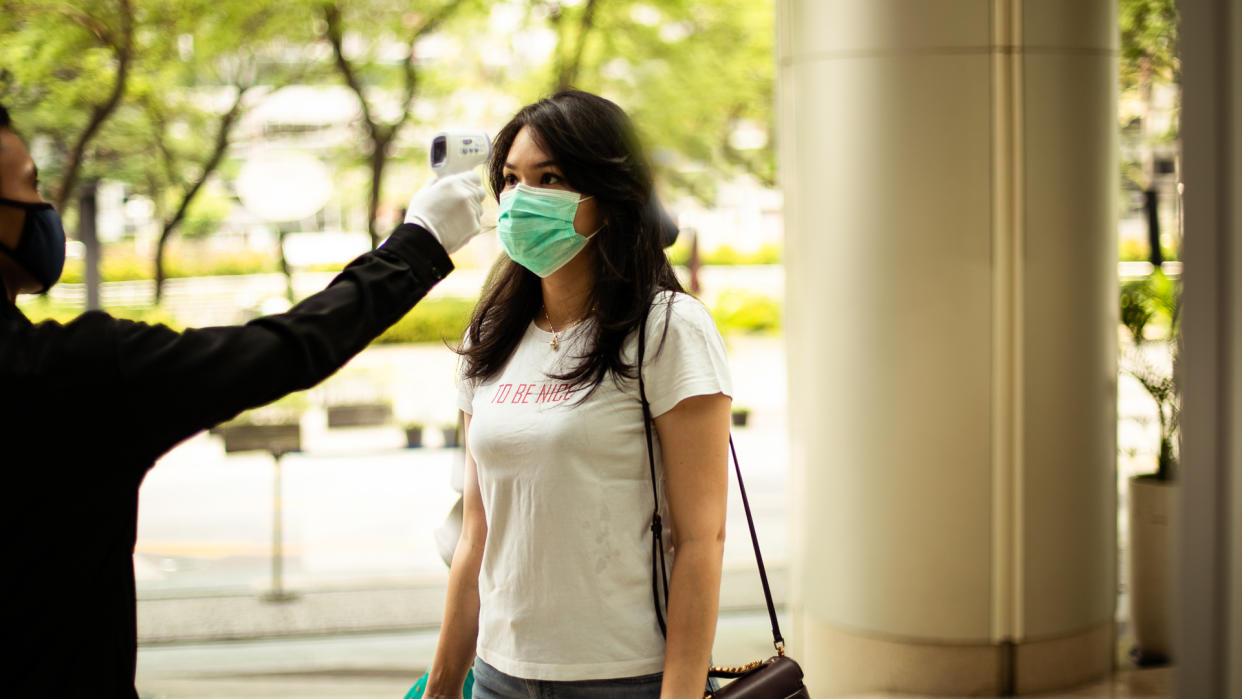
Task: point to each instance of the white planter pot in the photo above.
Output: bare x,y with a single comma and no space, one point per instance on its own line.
1152,514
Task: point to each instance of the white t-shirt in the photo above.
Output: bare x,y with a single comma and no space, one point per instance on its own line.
565,584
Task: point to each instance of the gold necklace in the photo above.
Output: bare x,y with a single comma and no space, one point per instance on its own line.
555,344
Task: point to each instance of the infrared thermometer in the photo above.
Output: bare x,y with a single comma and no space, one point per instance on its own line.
457,151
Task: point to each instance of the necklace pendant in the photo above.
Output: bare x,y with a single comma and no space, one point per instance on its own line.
554,344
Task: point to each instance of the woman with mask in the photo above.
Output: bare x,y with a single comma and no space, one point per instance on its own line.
551,586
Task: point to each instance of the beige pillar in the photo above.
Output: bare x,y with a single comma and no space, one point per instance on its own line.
950,178
1209,611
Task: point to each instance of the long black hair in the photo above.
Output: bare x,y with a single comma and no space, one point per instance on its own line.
594,143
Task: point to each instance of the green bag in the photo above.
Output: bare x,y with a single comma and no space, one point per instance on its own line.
416,692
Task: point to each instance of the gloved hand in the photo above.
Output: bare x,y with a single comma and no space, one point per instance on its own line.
449,208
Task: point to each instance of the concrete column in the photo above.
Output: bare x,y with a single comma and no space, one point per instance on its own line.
1209,611
950,179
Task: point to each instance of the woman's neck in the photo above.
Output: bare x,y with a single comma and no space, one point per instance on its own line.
567,293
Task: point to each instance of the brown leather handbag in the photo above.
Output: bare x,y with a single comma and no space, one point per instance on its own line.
778,677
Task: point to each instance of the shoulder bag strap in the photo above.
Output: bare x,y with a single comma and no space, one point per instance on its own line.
657,523
777,640
657,526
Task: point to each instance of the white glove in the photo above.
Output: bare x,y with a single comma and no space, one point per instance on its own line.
449,208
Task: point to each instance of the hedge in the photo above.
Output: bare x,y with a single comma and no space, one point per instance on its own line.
434,320
741,311
445,319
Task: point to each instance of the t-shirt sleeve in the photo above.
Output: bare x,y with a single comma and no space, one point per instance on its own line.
689,360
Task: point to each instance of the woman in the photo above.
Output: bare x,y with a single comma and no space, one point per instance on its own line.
551,582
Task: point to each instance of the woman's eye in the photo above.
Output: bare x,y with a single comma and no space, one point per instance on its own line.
551,178
510,180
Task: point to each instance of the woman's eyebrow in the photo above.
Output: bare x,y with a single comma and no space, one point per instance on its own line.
536,166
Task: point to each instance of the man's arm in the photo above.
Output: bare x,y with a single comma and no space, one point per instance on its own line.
174,384
179,383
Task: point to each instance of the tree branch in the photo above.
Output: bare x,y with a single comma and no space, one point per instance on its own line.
99,114
382,135
333,33
221,145
157,134
688,184
409,72
213,161
569,70
437,18
91,24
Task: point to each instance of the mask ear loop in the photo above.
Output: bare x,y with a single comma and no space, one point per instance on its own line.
601,226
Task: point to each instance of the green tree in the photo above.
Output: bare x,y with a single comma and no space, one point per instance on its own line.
1148,59
572,30
146,93
359,56
200,54
696,75
1148,42
65,68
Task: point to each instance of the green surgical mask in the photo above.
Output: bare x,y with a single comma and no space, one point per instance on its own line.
536,227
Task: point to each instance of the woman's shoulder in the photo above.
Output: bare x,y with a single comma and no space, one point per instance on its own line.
678,314
679,307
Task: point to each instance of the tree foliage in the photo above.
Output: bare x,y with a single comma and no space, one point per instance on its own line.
1148,42
696,75
384,36
150,93
71,67
192,89
145,93
1149,66
1149,58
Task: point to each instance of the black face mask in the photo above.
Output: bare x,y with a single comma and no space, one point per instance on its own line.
41,248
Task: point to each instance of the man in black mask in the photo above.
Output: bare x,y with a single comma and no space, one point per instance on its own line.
87,407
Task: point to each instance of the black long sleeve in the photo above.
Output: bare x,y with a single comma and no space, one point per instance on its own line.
139,389
180,383
87,407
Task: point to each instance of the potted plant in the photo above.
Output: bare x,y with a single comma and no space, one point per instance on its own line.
413,434
1152,497
274,428
452,436
740,416
360,414
358,397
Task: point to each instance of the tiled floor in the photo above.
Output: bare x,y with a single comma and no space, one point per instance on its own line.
1153,683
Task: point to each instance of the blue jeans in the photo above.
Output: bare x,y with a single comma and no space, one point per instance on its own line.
490,683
